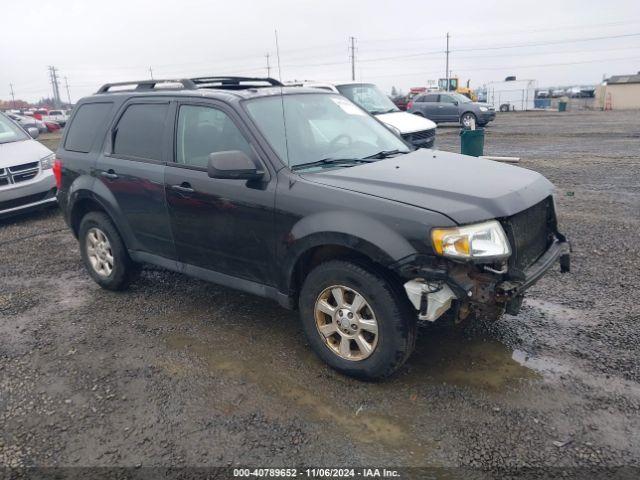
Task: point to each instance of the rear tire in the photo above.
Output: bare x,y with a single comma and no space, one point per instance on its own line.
103,252
356,321
418,114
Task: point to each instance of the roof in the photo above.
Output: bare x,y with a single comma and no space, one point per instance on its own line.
622,79
212,87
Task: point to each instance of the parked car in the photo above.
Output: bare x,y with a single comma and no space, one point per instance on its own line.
26,178
51,126
58,116
420,132
451,107
28,122
326,211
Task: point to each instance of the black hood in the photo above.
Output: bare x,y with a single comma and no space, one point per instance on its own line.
466,189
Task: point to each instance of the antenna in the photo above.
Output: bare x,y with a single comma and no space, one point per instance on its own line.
284,118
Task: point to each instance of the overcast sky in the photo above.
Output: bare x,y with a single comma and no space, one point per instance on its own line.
398,43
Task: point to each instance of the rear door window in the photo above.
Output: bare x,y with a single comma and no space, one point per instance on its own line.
87,123
430,98
140,131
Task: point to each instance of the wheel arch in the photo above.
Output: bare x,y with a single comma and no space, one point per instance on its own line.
99,198
339,235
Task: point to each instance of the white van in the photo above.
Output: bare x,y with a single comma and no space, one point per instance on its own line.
418,131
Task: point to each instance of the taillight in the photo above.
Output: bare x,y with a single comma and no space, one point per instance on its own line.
57,172
409,105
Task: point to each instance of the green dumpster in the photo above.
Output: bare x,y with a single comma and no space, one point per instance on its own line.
562,106
472,142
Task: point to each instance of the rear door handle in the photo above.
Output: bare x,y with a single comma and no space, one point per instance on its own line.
184,187
110,174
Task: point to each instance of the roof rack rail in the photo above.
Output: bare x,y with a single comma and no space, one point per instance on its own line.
235,82
139,85
227,83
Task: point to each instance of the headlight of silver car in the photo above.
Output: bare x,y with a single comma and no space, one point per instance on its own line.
484,109
481,240
47,162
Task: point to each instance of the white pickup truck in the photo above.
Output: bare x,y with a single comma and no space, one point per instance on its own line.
58,116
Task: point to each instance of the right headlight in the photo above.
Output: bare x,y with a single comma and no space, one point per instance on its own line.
485,240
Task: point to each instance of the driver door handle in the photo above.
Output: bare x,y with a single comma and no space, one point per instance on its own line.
110,174
184,187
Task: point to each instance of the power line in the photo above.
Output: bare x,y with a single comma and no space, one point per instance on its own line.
511,67
553,42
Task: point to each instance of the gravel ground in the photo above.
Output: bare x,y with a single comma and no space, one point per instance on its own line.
179,372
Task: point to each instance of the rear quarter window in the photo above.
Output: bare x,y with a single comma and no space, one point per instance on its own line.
85,126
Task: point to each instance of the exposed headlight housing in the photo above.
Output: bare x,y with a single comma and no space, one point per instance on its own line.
485,240
47,162
484,109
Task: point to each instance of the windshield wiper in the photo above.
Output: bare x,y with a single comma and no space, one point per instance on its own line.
385,154
330,161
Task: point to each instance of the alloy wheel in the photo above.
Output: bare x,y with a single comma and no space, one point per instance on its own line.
346,322
99,252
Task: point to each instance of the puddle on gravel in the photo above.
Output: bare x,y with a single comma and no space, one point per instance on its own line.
367,427
479,363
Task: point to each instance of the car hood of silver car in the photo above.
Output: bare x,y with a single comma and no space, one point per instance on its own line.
23,151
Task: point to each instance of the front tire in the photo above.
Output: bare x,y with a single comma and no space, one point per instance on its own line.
104,253
356,320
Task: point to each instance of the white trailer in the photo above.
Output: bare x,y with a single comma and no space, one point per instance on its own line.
512,95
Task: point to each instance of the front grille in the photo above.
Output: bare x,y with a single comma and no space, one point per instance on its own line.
530,234
19,173
24,167
420,138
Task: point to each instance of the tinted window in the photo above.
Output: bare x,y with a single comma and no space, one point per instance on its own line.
86,125
447,99
430,98
205,130
140,129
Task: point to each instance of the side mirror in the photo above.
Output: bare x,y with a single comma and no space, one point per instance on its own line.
455,103
232,165
34,132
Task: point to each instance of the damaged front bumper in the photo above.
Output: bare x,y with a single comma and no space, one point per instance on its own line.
477,288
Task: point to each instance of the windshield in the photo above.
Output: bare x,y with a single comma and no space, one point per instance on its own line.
10,132
369,97
319,127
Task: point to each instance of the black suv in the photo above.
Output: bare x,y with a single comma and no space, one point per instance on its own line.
303,197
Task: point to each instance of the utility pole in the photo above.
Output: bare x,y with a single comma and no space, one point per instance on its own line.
353,57
268,65
54,84
66,84
13,97
447,67
151,72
